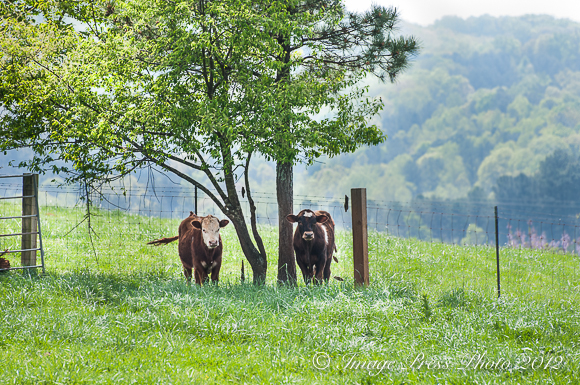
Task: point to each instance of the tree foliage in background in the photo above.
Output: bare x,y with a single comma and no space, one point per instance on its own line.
487,97
556,181
113,87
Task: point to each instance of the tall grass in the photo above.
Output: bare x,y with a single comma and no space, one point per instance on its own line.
122,313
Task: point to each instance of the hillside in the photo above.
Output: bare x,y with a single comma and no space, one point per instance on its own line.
487,97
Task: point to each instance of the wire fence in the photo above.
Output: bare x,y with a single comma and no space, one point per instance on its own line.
431,244
537,253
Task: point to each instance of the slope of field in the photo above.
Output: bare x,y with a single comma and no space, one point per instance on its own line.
122,313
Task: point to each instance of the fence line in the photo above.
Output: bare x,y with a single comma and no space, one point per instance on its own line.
465,225
398,219
421,229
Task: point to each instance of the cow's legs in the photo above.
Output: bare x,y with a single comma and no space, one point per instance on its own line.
327,269
200,276
187,273
303,269
215,275
319,273
306,277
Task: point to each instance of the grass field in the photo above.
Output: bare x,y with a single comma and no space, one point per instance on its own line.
122,313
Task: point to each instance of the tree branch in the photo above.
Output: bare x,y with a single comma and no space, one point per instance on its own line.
205,169
255,232
195,183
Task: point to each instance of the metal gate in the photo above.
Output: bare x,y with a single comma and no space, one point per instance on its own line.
30,230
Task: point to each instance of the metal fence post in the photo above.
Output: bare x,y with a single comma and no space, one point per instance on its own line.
360,248
195,200
36,197
497,252
29,223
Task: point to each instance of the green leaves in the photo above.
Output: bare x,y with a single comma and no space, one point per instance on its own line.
134,83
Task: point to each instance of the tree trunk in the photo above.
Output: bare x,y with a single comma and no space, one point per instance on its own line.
258,262
285,191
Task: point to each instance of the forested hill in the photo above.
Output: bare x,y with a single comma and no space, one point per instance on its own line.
487,97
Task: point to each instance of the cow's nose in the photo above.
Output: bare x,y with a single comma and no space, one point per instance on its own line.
213,243
308,235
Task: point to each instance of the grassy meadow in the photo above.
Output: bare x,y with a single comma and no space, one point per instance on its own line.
115,310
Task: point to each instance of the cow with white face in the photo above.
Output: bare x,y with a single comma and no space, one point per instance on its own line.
200,247
210,230
313,244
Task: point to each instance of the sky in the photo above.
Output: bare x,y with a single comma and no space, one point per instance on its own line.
425,12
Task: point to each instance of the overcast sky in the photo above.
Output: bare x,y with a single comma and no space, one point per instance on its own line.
425,12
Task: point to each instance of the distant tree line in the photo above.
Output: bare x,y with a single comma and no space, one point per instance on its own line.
487,97
557,183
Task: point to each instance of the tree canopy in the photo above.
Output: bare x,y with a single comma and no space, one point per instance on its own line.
110,87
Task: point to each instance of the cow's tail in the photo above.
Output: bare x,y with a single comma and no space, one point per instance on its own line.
334,256
163,241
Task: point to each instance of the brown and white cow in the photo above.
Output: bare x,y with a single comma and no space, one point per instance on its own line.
200,247
313,243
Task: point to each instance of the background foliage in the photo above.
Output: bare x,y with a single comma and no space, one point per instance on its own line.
487,97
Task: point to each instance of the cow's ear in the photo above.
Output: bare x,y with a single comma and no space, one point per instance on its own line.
292,218
321,218
224,222
196,224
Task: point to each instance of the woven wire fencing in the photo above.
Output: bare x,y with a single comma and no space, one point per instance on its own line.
113,238
453,245
434,246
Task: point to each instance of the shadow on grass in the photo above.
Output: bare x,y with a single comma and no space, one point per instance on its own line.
98,288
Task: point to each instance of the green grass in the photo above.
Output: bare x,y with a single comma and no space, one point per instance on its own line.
430,315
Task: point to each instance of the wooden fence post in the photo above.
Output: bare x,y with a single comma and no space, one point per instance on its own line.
360,247
497,251
29,225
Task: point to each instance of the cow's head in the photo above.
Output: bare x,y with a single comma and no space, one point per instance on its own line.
210,229
306,220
